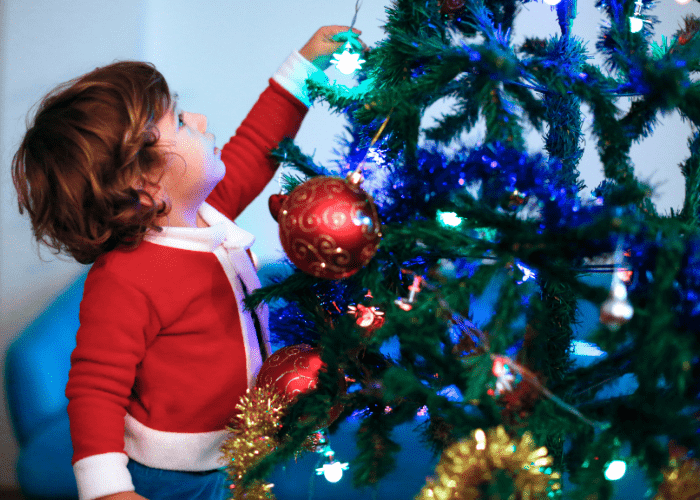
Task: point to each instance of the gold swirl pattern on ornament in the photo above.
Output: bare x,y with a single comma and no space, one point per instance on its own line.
297,372
327,256
280,357
468,464
333,217
308,195
335,257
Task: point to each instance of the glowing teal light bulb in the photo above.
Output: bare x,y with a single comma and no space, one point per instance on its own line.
349,61
450,219
615,470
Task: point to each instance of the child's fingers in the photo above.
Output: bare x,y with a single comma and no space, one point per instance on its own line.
338,29
352,38
329,39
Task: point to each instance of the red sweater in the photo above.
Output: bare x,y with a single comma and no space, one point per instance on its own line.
165,349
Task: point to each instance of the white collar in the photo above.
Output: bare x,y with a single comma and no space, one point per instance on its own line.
221,231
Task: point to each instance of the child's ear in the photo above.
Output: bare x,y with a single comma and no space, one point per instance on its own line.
152,187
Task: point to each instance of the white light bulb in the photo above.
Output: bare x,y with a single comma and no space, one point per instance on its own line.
636,24
552,2
682,2
347,62
615,470
333,472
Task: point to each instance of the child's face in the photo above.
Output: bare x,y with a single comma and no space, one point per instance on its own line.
193,163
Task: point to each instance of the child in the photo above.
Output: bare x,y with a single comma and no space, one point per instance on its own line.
112,172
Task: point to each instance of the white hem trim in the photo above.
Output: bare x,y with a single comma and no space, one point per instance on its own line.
100,475
183,451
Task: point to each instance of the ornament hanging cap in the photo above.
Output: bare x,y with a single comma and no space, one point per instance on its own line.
274,203
355,178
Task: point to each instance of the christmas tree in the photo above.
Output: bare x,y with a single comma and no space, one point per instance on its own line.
390,307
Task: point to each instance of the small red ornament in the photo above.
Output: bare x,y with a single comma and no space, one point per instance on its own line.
506,379
293,370
369,318
451,7
513,389
329,227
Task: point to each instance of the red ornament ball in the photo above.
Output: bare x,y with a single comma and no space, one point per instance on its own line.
293,370
329,227
451,7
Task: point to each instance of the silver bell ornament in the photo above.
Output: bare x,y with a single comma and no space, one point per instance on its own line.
617,309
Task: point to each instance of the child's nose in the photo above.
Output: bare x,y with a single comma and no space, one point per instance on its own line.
201,122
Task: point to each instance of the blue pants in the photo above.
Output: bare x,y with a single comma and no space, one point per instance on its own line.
158,484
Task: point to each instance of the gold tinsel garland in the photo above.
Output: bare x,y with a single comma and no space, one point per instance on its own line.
468,464
253,436
681,482
463,467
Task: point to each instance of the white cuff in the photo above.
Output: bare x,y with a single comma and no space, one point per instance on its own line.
294,72
181,451
100,475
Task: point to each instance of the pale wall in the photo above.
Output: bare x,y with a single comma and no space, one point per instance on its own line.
43,43
217,55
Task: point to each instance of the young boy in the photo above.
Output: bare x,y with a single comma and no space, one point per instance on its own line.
111,171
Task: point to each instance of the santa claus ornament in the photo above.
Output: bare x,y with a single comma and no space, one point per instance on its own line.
328,227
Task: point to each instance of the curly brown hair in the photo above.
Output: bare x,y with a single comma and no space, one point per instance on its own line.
88,151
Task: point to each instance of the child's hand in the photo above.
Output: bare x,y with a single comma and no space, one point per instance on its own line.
325,42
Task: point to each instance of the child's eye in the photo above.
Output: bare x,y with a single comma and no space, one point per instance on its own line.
181,120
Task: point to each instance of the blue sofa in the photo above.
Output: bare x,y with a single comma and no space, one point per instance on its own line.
36,373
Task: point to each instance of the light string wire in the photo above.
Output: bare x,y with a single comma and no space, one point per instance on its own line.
358,5
467,326
356,175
